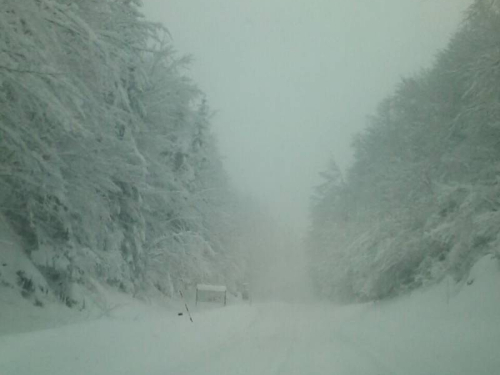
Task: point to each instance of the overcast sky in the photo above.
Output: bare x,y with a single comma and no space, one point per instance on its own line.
293,80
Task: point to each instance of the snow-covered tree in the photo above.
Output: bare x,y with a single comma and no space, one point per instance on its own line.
422,193
109,168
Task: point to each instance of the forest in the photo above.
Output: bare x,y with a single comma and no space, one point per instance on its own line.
154,205
421,200
111,174
109,169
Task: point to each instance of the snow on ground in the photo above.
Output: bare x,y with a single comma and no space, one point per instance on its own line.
443,330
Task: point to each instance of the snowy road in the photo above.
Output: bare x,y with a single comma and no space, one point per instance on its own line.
426,333
286,339
270,338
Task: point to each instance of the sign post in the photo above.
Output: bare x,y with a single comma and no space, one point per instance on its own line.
211,293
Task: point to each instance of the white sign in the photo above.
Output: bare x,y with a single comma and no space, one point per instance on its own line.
211,293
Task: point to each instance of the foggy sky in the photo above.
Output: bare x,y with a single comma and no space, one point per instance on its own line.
293,80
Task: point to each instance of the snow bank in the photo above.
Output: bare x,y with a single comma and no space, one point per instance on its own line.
137,343
16,270
447,330
24,295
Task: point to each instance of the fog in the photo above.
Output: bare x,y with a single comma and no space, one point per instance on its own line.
125,248
292,81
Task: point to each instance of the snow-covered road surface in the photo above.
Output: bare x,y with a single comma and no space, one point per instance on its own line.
286,339
266,338
434,332
270,338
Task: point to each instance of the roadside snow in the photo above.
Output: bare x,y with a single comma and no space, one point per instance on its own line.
442,330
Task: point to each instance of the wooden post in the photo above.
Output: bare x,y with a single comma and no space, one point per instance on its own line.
186,306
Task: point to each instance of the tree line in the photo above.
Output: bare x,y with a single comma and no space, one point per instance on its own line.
421,200
109,170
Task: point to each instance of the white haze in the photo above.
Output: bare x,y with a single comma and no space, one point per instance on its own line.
114,205
292,81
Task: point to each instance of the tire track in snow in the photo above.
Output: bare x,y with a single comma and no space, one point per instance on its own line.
265,347
285,339
282,368
212,353
363,352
